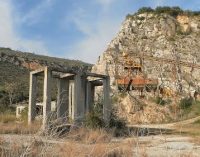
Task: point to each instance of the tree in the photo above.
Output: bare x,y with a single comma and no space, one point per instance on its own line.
14,91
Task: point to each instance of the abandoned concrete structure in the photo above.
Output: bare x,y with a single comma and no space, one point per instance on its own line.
75,95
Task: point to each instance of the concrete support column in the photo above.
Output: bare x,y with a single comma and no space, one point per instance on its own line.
89,96
47,98
62,99
71,99
32,98
79,97
106,100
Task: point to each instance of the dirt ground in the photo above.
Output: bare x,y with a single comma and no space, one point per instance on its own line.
149,146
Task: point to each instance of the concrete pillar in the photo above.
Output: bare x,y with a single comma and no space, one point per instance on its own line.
71,99
79,97
47,98
89,96
62,99
32,98
106,100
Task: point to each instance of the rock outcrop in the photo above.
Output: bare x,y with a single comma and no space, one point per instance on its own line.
156,35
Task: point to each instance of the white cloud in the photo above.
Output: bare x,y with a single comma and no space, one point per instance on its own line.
9,36
97,35
36,13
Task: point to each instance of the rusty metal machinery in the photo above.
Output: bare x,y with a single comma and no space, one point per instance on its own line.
133,77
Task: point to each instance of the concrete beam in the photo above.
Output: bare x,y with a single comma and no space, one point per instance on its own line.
67,76
62,99
63,70
32,98
97,82
38,71
106,100
95,75
47,97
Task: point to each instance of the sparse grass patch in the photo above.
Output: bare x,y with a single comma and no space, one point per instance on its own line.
96,150
189,108
80,142
19,128
89,136
6,118
160,101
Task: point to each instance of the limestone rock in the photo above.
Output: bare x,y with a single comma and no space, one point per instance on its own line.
157,36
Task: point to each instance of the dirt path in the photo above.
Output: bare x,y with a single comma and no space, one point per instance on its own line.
168,125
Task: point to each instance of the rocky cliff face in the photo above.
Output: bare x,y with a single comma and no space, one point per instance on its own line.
157,36
161,36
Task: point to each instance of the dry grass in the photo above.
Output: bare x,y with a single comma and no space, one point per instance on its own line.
68,149
189,129
6,118
96,150
10,125
89,136
19,128
80,142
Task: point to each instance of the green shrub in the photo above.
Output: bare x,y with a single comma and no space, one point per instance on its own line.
117,125
115,121
160,101
186,103
145,10
93,120
173,11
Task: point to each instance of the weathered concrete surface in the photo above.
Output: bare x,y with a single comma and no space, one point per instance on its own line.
32,98
106,100
47,97
63,99
75,95
71,99
89,96
79,97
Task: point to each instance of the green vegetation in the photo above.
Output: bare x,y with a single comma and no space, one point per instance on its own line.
14,76
186,103
94,120
145,10
172,11
45,60
189,108
160,101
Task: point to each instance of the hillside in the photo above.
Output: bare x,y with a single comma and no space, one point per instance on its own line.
165,34
15,67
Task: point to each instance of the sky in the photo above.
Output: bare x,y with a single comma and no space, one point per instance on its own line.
73,29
